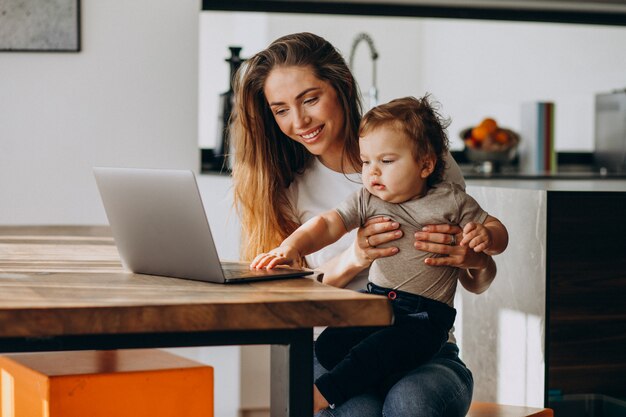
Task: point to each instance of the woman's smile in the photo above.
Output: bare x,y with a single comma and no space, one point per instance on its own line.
311,135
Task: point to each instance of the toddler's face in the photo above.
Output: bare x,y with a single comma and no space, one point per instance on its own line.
390,170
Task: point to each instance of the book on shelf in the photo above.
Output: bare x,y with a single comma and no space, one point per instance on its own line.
537,152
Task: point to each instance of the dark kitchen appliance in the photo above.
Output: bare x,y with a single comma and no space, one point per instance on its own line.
218,158
610,132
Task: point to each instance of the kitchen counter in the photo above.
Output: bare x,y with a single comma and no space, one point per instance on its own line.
567,176
552,183
555,317
572,166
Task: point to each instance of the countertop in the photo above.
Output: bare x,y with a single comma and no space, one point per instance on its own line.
552,184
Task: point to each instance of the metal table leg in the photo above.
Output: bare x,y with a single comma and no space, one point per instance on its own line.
291,382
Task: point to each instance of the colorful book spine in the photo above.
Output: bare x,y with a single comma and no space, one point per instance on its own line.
537,151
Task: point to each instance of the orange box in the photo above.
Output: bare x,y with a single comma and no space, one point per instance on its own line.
115,383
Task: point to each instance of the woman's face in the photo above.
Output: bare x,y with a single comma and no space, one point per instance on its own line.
307,110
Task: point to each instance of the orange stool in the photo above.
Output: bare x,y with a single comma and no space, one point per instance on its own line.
137,383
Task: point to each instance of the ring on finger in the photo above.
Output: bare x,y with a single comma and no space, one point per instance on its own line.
367,240
453,240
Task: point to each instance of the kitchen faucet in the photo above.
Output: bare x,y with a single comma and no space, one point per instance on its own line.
373,91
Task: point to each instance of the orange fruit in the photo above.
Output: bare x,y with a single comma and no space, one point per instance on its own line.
501,136
470,143
489,124
479,133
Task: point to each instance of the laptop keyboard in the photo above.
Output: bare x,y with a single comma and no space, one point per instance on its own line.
236,270
232,270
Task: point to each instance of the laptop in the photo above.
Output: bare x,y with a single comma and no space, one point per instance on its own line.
160,227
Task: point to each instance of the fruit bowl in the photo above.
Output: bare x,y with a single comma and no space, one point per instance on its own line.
502,154
487,142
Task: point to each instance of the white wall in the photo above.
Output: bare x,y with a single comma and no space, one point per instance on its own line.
129,98
482,68
474,68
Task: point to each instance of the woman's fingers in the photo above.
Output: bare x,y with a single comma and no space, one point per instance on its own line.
442,228
438,238
456,256
446,234
382,237
375,253
377,219
438,248
377,231
453,255
449,241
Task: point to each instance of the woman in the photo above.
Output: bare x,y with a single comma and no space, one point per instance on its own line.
296,155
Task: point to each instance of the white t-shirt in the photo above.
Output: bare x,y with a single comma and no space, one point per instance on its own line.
318,190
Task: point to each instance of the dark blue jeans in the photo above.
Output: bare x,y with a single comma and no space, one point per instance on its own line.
372,359
441,387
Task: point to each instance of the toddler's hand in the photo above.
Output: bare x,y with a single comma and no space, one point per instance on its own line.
282,255
476,236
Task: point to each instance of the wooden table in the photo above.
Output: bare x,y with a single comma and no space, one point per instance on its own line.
63,288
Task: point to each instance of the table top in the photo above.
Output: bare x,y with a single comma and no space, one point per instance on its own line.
68,280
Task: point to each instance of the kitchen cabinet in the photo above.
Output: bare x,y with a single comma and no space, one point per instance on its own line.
555,317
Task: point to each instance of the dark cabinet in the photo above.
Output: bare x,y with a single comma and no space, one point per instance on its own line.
586,296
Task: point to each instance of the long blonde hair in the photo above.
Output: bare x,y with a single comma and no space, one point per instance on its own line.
266,160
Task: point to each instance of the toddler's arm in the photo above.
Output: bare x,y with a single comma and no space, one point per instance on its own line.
312,236
490,237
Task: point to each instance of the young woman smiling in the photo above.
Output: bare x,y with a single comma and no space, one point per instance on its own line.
295,132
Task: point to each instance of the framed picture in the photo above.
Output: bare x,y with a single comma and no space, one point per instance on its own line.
40,25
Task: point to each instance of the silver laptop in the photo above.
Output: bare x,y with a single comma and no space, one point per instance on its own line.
160,227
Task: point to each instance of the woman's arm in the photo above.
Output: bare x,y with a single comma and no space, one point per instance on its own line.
478,281
480,267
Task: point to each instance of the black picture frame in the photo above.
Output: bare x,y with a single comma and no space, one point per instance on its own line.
40,26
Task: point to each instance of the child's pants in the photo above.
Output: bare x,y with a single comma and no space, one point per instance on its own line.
363,358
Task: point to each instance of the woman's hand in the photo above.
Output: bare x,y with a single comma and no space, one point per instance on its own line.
375,232
442,239
341,270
